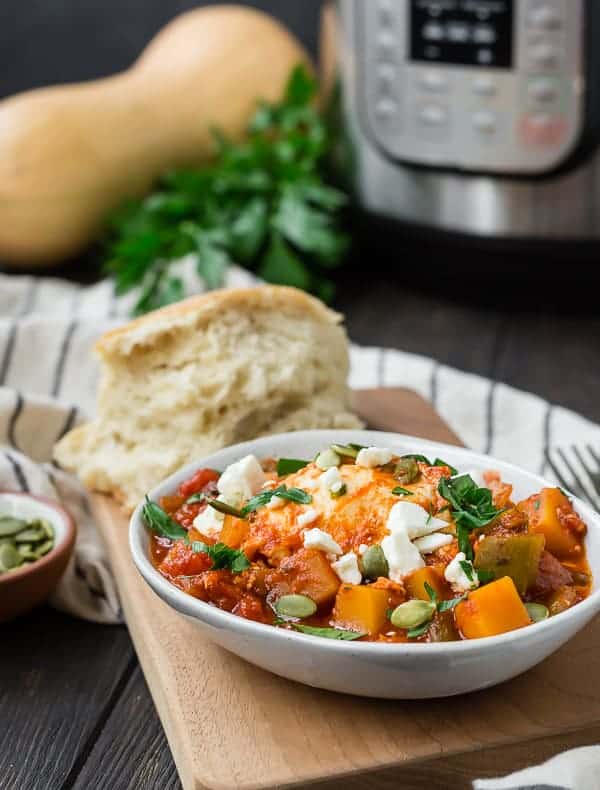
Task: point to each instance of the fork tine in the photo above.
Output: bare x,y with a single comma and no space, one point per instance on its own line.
594,455
577,479
593,477
558,474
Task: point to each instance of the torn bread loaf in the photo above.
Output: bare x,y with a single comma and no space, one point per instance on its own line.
217,369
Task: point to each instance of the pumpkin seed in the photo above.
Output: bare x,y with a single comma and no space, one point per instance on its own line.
345,450
9,557
44,548
10,525
412,613
47,527
297,606
537,611
406,470
30,535
580,579
327,458
373,563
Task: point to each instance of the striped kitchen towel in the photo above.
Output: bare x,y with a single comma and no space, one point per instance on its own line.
48,382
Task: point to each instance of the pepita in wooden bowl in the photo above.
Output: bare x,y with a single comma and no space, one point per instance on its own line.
37,537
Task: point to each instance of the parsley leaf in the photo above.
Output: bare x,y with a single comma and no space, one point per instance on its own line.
440,462
414,633
445,606
467,570
328,633
472,507
262,203
223,556
161,523
293,494
398,490
287,466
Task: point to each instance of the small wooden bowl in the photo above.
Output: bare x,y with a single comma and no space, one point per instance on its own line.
22,589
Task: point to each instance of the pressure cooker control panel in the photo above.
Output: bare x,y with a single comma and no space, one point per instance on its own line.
479,85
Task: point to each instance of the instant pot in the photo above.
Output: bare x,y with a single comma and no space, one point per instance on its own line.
479,117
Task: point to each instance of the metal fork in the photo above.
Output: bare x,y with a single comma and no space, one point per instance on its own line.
579,473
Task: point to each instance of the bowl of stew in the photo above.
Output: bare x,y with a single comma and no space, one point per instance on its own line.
371,563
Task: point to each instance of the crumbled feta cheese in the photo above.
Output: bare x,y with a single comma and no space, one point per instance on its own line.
241,480
306,518
347,568
332,480
209,522
374,456
455,574
319,539
276,502
362,548
414,519
431,543
401,555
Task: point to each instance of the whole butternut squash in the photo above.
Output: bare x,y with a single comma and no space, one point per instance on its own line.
70,154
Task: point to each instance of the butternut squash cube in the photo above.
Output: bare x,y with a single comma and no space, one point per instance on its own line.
234,532
361,608
542,511
307,572
415,584
490,610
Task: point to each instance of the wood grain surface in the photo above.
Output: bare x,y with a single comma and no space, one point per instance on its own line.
232,725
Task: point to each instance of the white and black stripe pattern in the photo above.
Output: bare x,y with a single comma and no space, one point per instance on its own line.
48,379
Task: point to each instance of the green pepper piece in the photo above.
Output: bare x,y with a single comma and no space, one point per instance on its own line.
517,556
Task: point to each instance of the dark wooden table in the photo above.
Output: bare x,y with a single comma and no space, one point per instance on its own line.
75,711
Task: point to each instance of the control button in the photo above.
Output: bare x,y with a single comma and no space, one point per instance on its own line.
458,32
385,108
386,40
484,34
542,89
433,31
541,129
485,56
433,115
485,121
545,56
545,17
485,86
433,81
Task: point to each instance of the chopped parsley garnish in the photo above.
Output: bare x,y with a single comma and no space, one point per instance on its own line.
399,491
440,606
222,556
468,570
161,523
472,507
414,633
440,462
287,466
293,494
197,497
536,504
328,633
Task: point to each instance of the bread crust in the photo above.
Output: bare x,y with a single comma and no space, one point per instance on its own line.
205,307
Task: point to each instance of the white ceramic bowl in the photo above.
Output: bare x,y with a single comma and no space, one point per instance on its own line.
393,671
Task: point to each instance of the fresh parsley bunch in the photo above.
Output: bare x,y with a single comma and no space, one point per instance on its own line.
262,203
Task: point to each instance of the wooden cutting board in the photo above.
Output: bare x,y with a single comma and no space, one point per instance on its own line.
231,725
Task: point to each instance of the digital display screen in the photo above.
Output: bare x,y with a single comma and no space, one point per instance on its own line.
462,32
